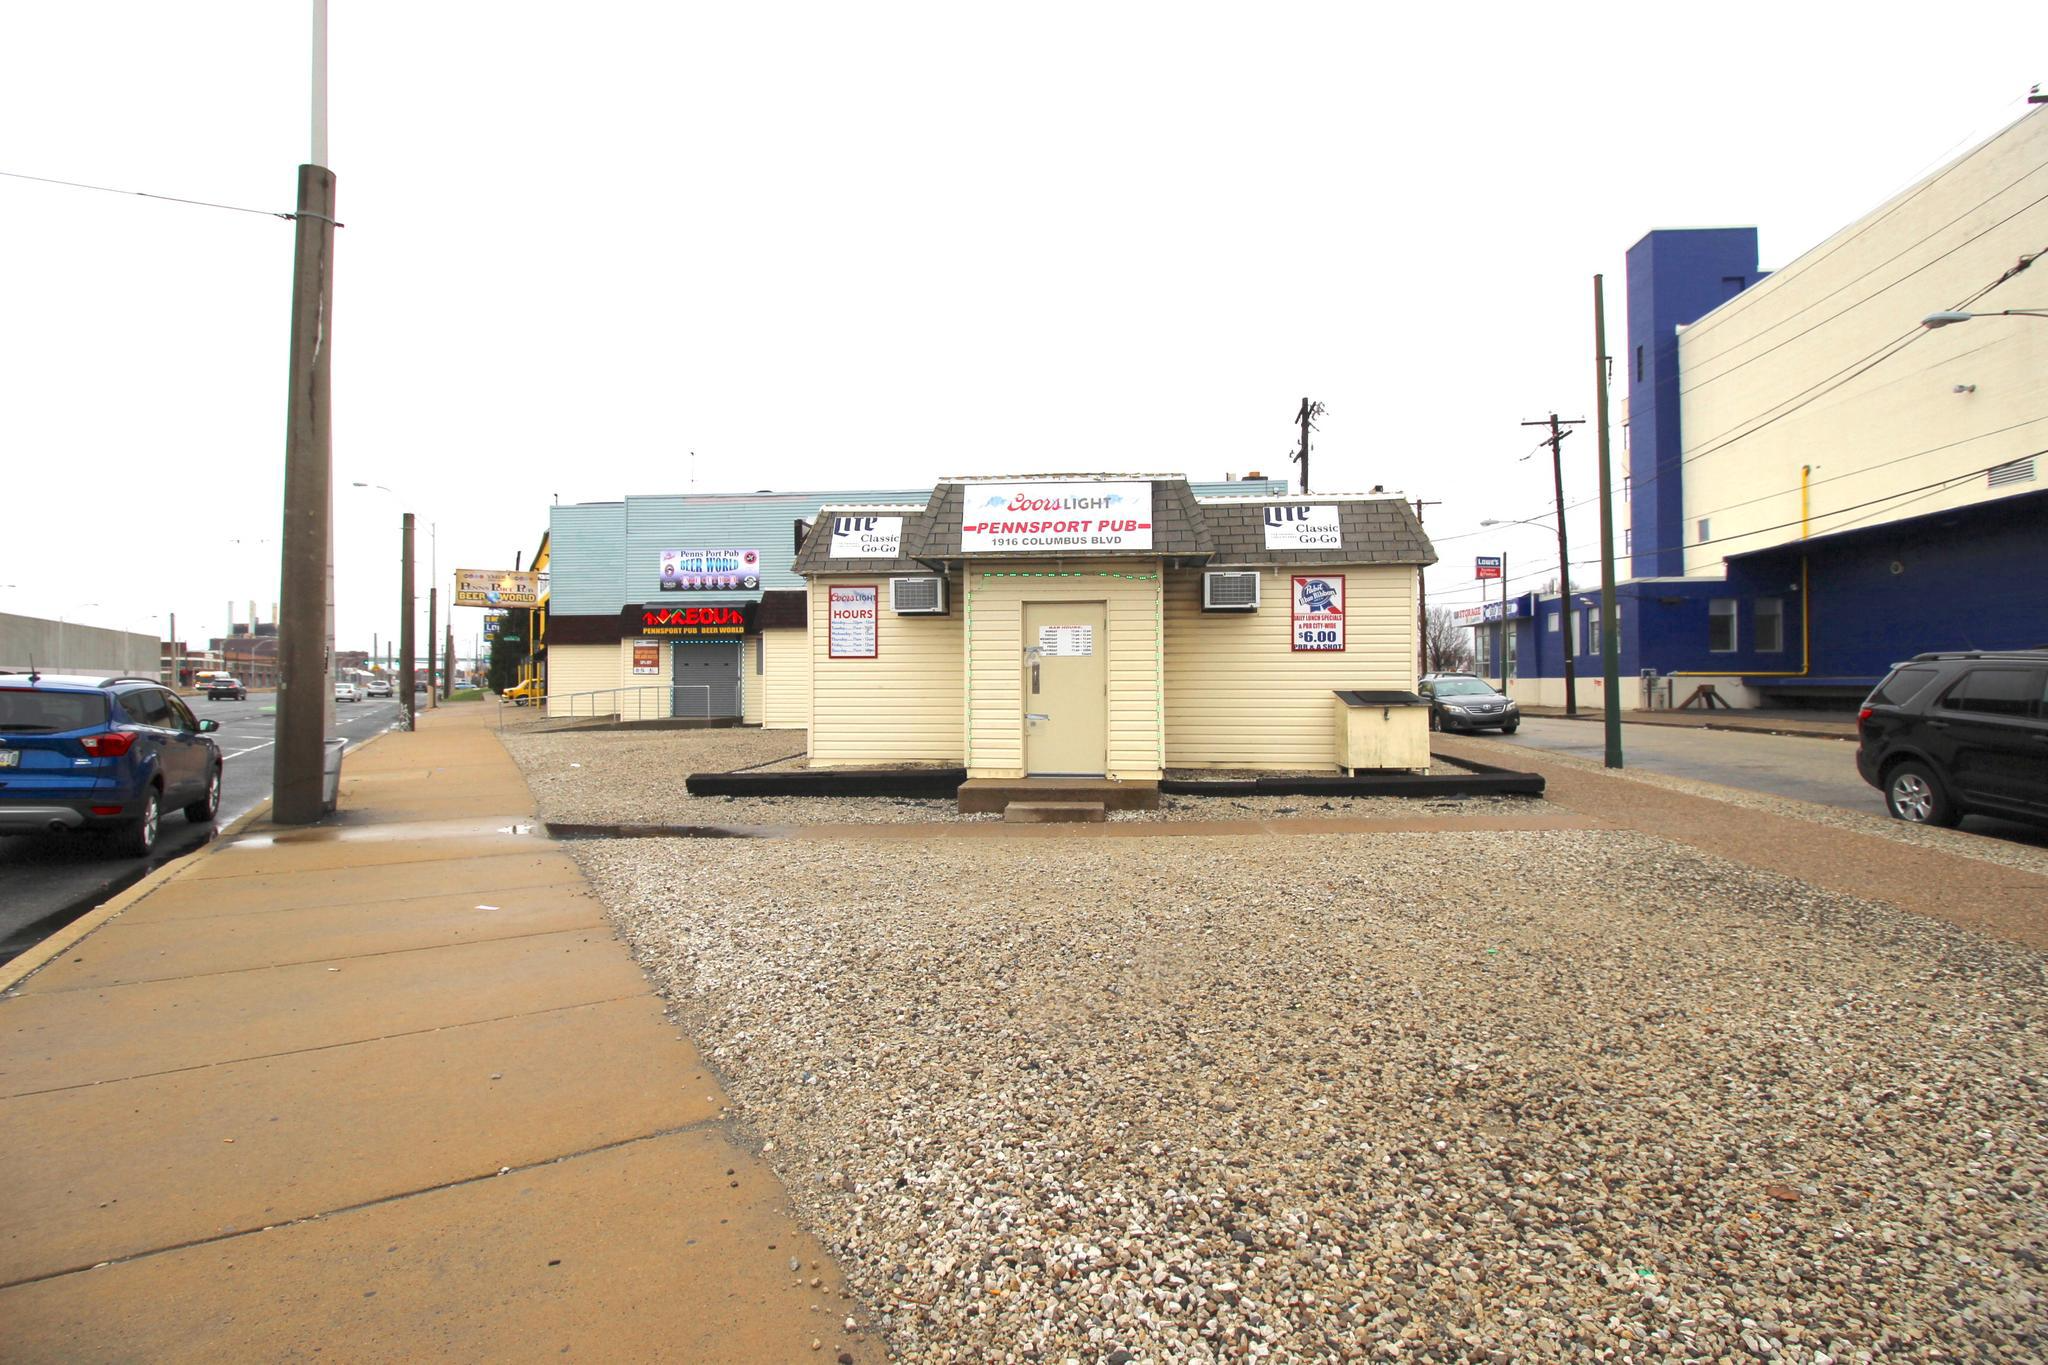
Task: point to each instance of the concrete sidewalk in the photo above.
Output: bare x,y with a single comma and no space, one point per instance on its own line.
1815,724
385,1088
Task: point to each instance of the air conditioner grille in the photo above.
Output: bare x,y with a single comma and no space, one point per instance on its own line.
917,596
1230,591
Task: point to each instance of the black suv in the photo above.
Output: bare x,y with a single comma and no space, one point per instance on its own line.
1945,735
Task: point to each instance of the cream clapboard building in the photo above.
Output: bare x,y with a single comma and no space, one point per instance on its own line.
1103,625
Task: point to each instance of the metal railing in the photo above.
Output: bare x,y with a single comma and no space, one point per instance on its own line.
649,701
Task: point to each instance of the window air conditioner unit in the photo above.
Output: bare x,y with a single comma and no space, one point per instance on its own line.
917,596
1230,590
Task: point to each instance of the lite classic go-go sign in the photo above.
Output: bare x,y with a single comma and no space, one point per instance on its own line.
865,537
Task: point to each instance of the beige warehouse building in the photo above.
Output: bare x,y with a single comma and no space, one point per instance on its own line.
1106,626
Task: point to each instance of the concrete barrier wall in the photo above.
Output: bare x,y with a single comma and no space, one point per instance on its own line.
70,647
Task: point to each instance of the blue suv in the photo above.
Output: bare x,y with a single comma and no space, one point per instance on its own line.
108,754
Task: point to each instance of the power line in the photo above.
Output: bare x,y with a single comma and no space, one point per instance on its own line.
1935,260
1741,303
145,194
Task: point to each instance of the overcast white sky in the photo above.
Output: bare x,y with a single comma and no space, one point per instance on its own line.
867,245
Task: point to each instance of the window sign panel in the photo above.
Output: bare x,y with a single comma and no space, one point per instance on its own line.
1319,612
1048,518
646,658
1296,527
867,537
854,613
1069,641
710,570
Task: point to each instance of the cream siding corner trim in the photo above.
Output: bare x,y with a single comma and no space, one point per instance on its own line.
900,706
786,686
1239,696
1129,591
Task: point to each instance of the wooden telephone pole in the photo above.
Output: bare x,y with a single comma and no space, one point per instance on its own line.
1422,598
1564,559
1305,419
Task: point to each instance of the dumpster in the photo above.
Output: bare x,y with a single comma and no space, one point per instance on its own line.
330,775
1382,732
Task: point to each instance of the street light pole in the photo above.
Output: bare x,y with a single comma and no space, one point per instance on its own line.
304,646
405,610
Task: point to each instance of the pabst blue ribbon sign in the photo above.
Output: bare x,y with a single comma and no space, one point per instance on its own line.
1054,518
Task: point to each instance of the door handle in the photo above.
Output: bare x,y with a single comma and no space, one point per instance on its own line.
1034,715
1937,725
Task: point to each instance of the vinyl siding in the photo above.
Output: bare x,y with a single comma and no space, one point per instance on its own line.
1239,696
593,668
786,687
995,700
901,706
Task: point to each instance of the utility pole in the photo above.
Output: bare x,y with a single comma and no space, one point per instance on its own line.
1422,599
1610,638
405,610
1564,559
1503,634
303,654
1306,418
177,656
448,658
433,688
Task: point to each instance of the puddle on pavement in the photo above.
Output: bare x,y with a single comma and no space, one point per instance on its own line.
500,826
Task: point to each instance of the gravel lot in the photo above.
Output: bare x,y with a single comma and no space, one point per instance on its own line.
636,777
1430,1097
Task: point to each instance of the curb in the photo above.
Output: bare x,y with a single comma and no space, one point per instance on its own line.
63,940
56,945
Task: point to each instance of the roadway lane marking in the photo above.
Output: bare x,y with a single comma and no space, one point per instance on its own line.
252,748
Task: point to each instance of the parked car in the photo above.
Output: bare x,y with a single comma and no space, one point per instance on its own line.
378,687
1950,734
230,688
102,754
347,691
532,690
1460,701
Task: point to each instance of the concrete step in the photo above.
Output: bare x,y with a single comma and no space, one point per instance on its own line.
981,795
1054,813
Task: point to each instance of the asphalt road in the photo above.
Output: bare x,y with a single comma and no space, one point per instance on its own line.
47,880
1822,771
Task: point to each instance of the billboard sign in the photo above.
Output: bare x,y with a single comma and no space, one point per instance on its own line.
1486,566
1295,526
861,537
710,570
1055,518
497,588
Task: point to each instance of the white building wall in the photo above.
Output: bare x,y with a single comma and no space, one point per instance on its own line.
1785,361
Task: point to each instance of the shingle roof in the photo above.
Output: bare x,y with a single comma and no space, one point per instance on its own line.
1230,530
1177,528
1375,530
815,556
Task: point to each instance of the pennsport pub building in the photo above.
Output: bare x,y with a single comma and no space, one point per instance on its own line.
1107,626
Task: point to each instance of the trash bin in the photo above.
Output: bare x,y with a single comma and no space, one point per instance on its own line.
330,775
1382,731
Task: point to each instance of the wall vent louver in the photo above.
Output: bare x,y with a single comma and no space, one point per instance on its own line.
918,596
1230,590
2018,471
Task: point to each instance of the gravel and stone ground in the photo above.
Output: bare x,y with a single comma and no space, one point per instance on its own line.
610,777
1573,1095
